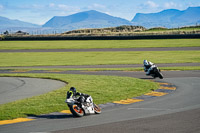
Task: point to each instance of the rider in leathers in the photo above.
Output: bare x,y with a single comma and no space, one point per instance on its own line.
72,93
148,66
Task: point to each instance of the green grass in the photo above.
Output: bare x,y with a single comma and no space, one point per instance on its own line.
96,58
103,89
99,44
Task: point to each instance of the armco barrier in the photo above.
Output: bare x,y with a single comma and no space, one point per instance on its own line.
181,36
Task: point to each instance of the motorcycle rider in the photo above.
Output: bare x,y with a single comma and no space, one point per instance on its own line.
82,104
148,66
72,93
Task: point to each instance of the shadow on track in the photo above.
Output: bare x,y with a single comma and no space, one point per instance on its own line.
147,78
51,116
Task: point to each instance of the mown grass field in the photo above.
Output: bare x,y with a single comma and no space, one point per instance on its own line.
99,44
96,58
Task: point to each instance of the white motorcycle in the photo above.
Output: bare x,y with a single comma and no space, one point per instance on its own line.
155,72
79,109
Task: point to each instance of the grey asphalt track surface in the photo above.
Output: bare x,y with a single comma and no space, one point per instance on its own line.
106,66
105,49
16,88
182,122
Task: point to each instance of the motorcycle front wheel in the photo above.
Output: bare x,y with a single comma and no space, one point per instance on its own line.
159,74
97,109
76,111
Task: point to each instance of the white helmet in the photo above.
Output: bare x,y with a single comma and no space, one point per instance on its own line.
145,62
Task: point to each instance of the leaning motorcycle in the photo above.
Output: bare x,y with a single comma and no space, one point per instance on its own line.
155,72
79,109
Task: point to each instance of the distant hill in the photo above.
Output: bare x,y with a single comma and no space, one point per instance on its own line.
5,22
107,31
87,19
168,18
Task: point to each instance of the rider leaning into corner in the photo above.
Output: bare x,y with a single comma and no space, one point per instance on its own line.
148,66
72,93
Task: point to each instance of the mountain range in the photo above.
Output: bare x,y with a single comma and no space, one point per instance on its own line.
5,22
171,18
88,19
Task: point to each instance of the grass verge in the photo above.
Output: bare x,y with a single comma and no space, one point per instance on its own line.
96,58
103,89
89,44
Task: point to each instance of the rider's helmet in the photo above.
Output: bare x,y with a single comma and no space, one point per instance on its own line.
145,62
73,89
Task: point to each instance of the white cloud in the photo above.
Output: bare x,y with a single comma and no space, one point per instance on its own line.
51,5
151,4
96,6
62,6
36,6
148,7
1,7
170,5
68,8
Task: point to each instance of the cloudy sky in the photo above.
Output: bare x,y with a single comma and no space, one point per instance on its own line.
40,11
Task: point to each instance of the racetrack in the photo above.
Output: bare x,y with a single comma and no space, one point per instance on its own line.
143,116
105,49
177,112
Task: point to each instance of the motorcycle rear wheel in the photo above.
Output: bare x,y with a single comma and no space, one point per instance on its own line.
76,111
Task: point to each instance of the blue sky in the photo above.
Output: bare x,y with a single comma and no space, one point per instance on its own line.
40,11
